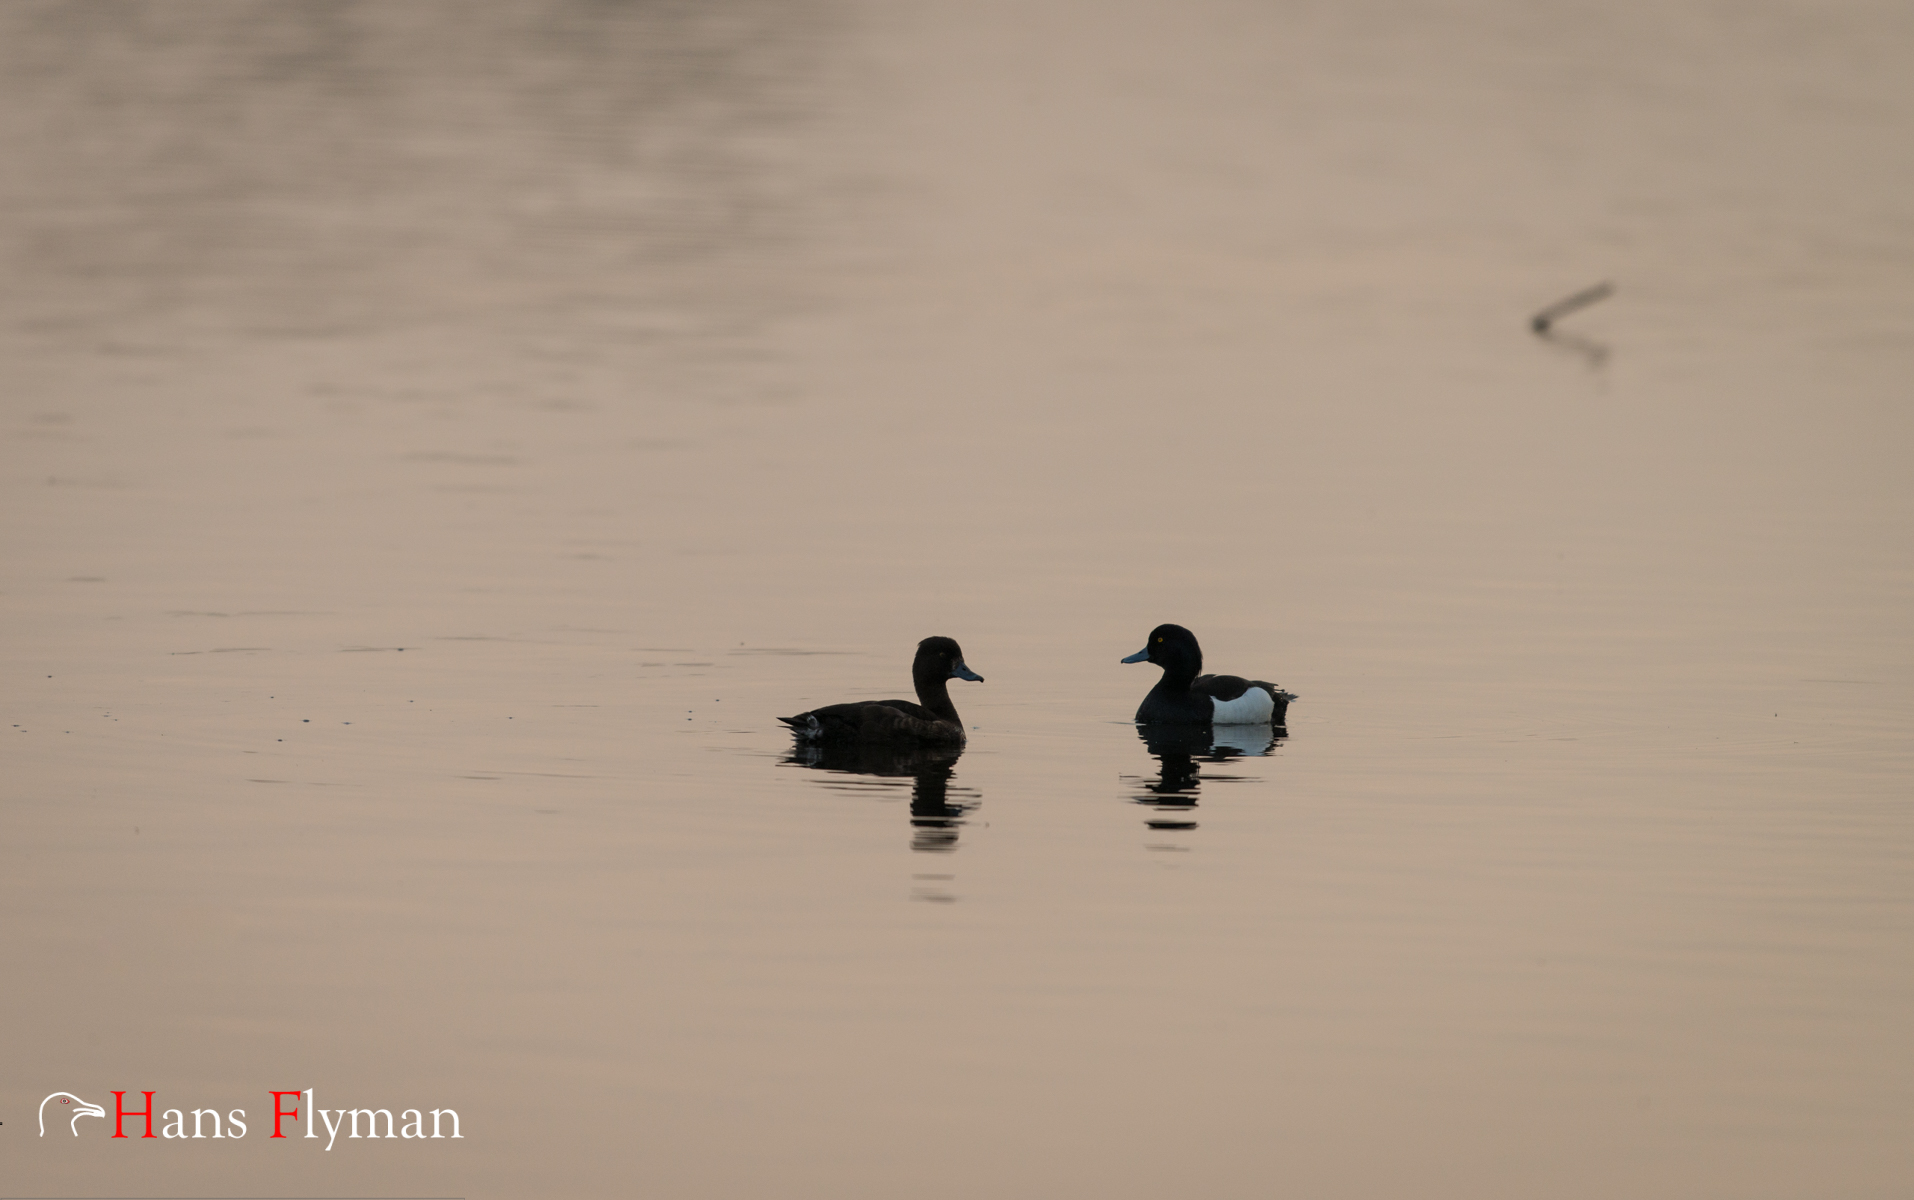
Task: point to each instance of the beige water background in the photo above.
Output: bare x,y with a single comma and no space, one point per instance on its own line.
439,440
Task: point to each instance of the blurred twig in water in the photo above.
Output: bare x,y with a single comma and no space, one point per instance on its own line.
1594,353
1542,321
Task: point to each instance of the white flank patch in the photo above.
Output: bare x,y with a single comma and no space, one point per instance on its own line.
1251,708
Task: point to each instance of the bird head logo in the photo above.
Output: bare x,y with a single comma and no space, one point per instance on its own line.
80,1109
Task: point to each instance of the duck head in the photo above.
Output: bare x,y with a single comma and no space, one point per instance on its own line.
941,658
1173,648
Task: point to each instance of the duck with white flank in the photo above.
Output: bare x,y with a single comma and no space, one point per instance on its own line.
933,719
1184,697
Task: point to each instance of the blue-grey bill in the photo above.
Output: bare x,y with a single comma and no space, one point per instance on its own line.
1142,655
960,671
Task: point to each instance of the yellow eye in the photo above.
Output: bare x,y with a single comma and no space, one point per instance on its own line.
1159,641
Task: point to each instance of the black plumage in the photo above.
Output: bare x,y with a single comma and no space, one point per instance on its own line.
933,719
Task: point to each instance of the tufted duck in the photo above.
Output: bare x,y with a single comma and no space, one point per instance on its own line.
933,719
1183,697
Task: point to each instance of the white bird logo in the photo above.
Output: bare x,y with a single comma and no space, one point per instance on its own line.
85,1110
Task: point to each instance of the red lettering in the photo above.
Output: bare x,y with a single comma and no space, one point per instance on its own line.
120,1113
278,1112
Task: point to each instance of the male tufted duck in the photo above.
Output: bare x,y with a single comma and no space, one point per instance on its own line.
933,719
1184,697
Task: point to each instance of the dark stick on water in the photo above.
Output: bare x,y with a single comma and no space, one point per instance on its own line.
1541,321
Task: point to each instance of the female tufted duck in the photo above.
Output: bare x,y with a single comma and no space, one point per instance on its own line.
1184,697
933,719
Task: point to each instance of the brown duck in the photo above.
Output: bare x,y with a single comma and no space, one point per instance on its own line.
932,719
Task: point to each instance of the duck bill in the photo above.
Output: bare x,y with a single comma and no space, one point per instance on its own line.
960,671
1142,655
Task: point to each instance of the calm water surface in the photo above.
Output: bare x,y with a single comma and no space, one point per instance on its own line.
441,439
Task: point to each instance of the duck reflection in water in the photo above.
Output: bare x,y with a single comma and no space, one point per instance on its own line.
1182,750
936,809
